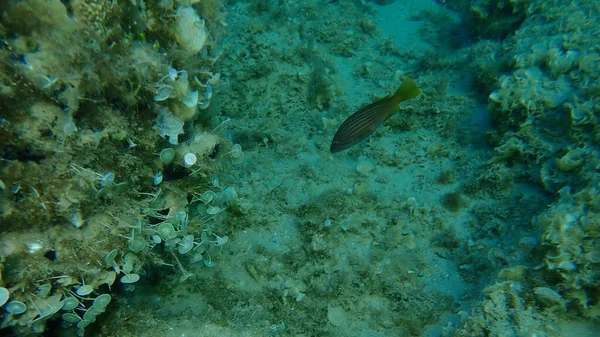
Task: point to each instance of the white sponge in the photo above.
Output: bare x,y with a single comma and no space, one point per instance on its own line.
189,30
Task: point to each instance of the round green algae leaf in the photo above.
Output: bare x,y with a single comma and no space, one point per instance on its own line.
85,290
51,306
229,194
166,231
212,210
128,265
92,313
110,258
70,303
167,155
71,318
15,307
44,290
207,197
130,278
137,243
109,278
4,295
172,243
83,324
236,150
186,244
102,301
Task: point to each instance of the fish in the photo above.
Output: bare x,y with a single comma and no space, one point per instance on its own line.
367,119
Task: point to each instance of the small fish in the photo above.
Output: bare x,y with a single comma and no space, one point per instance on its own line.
363,122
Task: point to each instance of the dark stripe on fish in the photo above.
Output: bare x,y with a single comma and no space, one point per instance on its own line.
364,122
359,126
366,116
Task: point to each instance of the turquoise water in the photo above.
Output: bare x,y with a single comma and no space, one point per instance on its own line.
166,168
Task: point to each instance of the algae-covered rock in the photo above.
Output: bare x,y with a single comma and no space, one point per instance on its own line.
570,228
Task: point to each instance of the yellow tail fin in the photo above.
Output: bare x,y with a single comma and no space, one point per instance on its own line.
408,89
